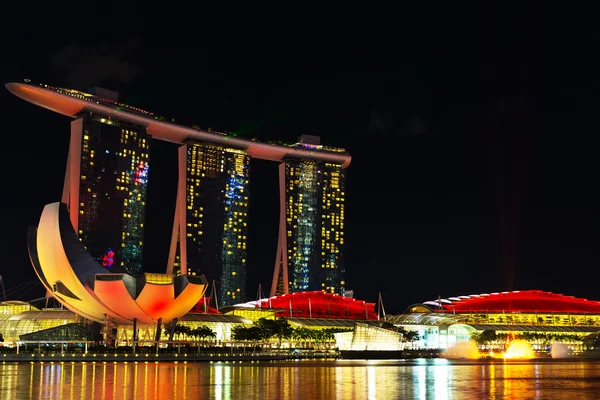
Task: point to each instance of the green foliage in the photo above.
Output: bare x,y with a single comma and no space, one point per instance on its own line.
279,328
592,341
183,331
484,337
407,336
548,337
489,336
265,329
252,333
411,336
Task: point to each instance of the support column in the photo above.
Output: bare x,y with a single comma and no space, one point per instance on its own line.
66,183
180,220
134,336
158,328
74,172
174,237
281,259
172,330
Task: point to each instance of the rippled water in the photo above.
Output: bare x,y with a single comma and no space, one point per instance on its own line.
414,379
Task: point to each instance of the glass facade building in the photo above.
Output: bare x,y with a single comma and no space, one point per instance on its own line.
302,220
332,228
106,181
113,178
216,208
314,196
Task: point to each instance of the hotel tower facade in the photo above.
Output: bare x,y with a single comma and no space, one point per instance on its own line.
311,230
105,189
212,217
107,176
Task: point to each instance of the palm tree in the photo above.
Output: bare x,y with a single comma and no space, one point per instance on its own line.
205,332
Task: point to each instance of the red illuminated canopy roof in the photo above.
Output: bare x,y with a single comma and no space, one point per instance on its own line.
203,306
517,301
318,305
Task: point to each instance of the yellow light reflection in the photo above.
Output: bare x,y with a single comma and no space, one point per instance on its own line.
371,382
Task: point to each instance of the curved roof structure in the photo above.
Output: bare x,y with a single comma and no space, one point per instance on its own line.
534,301
15,303
73,103
85,287
32,321
38,315
435,319
316,304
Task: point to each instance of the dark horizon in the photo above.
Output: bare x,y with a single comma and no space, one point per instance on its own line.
472,146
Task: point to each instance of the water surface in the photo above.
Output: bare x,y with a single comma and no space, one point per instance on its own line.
342,379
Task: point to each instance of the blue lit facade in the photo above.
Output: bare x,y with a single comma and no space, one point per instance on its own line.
314,225
302,223
217,217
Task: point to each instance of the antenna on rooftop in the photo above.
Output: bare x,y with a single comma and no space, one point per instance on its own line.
214,293
258,293
3,292
380,307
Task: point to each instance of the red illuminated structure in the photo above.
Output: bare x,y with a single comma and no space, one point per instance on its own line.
526,301
317,305
203,307
108,259
90,290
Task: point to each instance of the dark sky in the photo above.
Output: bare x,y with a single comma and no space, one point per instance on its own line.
473,136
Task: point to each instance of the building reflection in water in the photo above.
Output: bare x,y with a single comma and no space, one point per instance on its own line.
418,379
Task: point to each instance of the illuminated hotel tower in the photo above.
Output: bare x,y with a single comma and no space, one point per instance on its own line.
105,188
212,205
106,180
311,230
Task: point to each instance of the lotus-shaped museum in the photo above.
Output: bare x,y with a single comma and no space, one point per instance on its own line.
88,289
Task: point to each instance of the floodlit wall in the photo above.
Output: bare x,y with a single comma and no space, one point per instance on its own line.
368,337
33,321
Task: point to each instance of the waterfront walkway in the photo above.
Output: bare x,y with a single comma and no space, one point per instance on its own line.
228,356
182,356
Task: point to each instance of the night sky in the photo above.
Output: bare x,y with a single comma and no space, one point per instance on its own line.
473,137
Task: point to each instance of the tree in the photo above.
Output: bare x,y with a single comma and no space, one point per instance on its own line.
279,328
252,333
204,332
484,337
267,327
412,336
283,329
1,338
592,341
